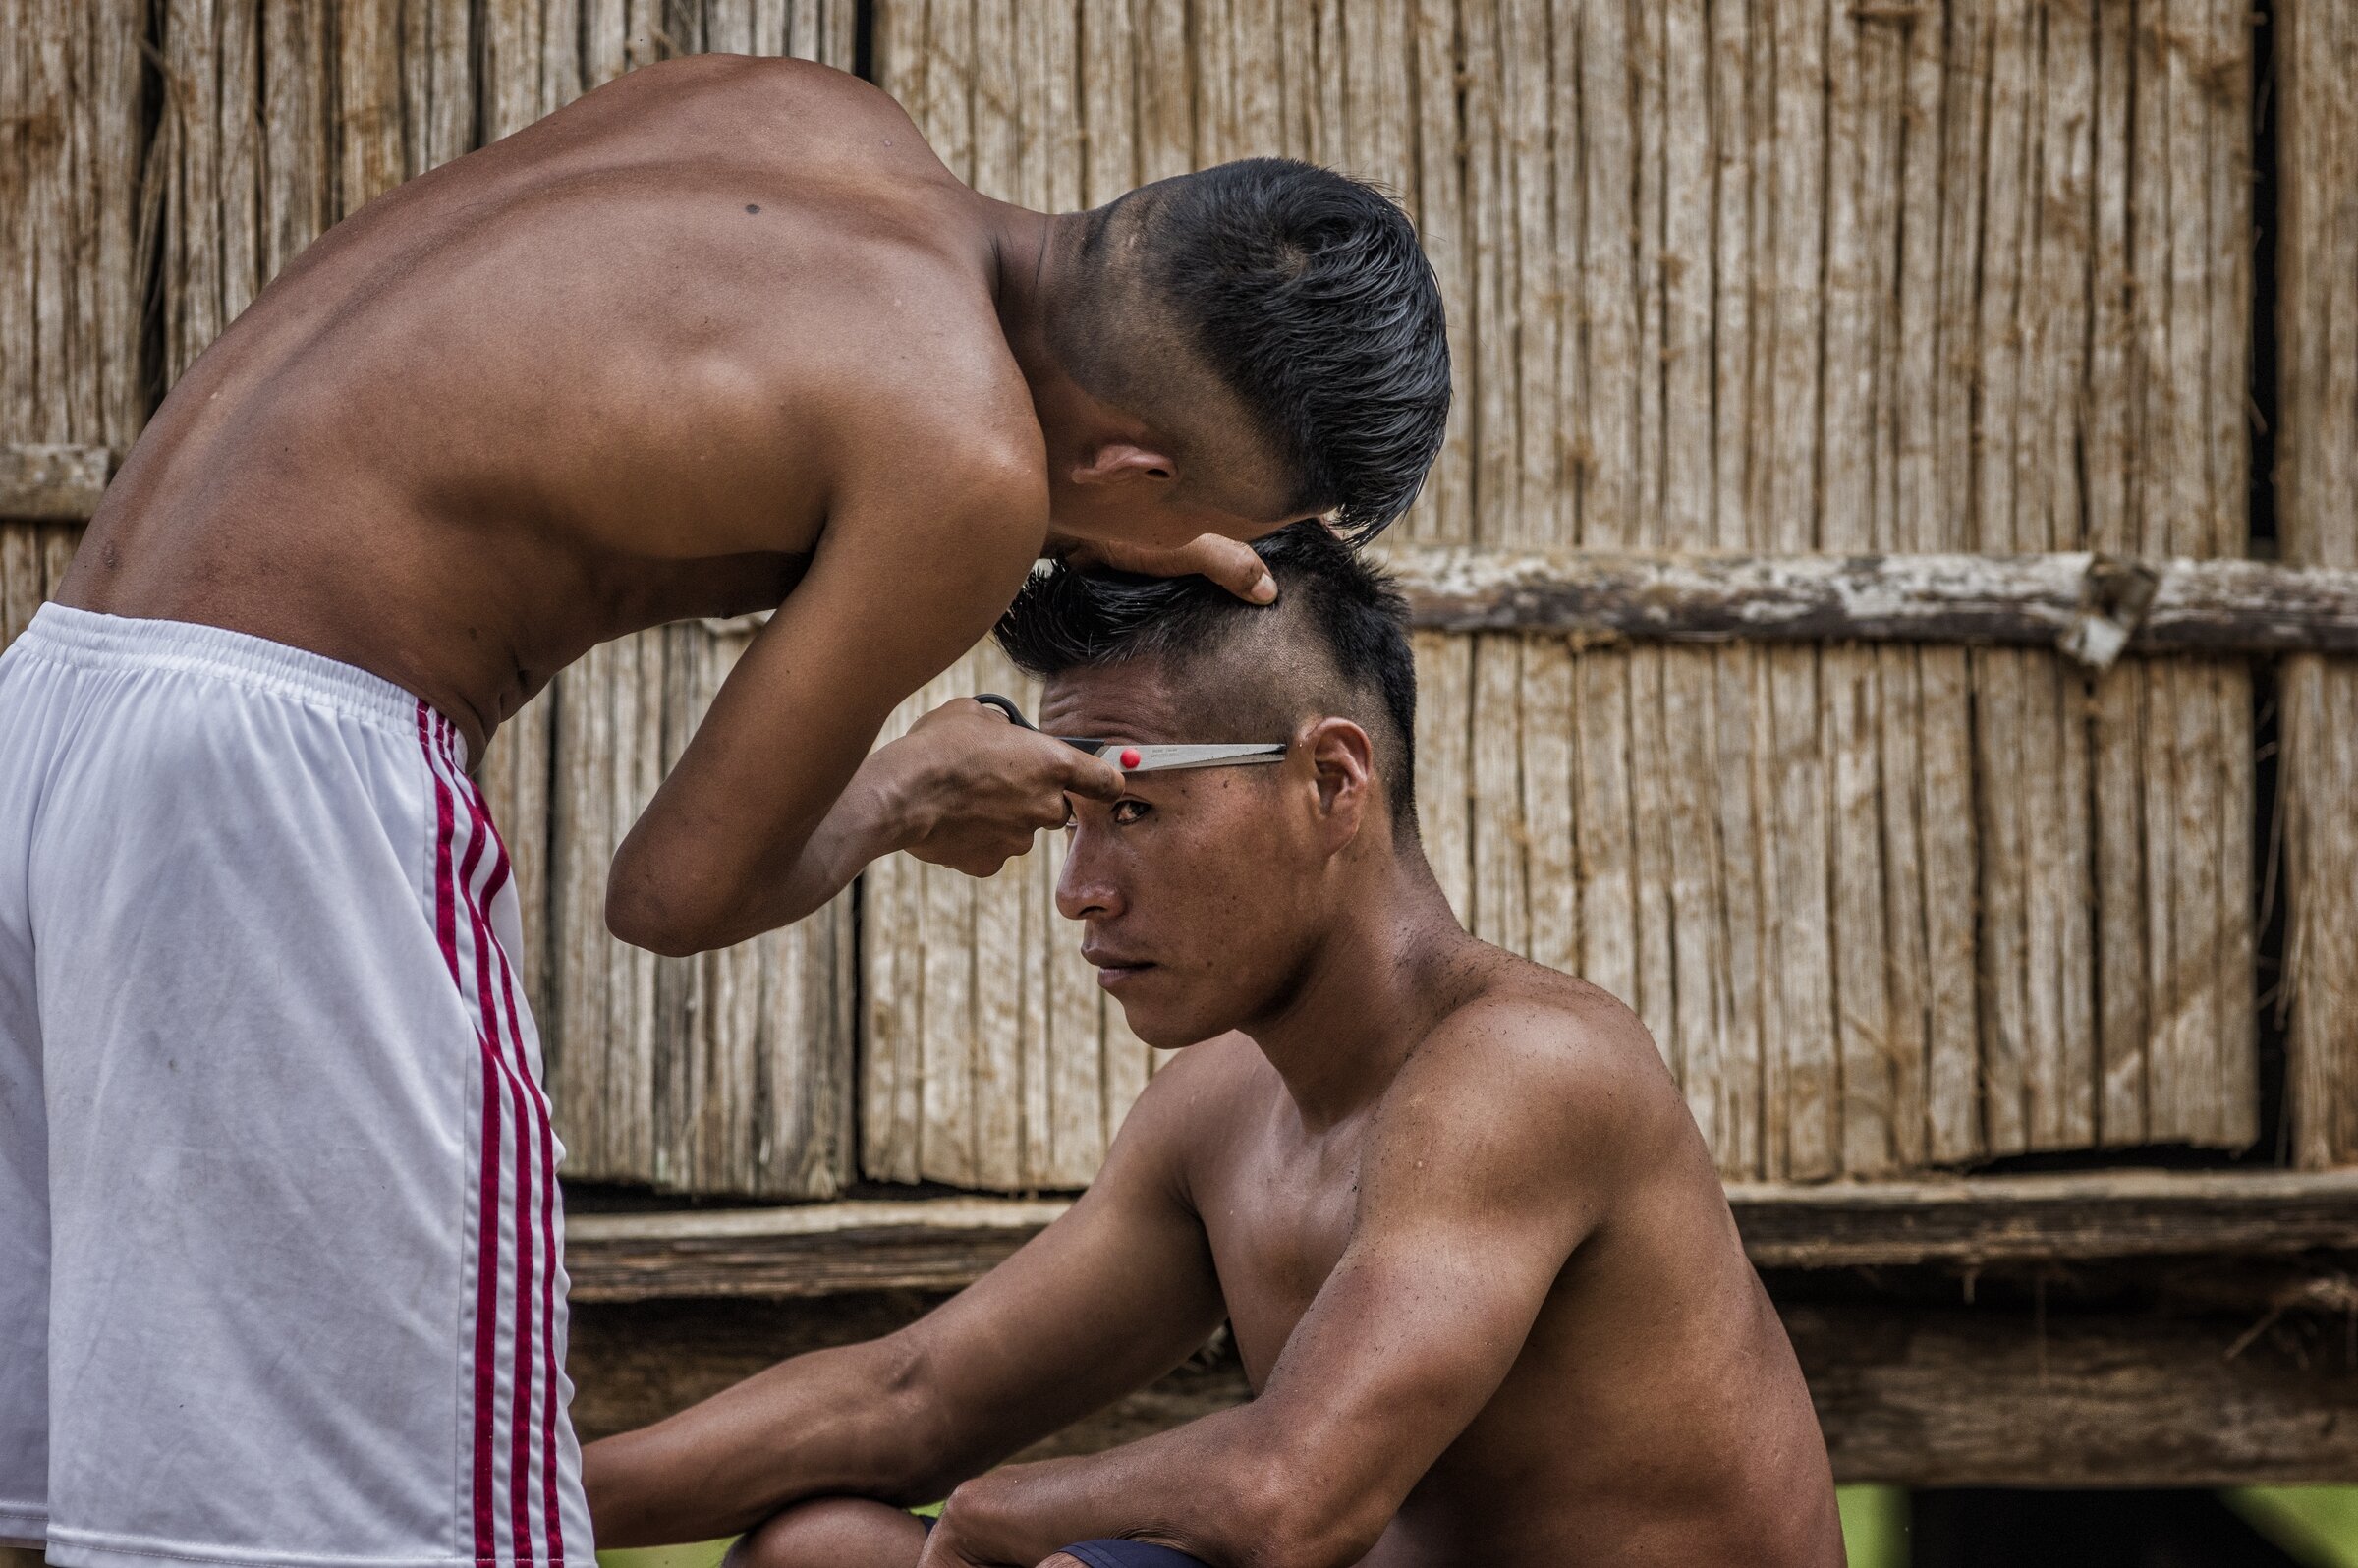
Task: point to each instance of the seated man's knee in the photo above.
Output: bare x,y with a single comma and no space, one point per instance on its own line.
832,1533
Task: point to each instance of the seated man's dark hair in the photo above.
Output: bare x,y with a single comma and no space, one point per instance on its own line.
1307,293
1335,643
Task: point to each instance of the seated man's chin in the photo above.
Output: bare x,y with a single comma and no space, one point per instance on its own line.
1167,1030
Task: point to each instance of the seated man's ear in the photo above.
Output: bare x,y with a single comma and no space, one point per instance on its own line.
1124,463
1342,760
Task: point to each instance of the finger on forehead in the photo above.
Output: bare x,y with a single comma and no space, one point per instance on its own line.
1093,777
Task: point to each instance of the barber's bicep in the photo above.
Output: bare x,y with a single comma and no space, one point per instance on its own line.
888,603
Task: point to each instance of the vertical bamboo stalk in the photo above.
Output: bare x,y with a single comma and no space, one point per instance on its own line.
1499,908
1551,887
2318,473
1448,512
1445,763
1489,172
1857,226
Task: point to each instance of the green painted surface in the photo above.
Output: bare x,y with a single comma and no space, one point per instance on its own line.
2318,1525
1874,1526
703,1554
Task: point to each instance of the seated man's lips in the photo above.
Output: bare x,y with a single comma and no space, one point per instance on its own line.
1114,967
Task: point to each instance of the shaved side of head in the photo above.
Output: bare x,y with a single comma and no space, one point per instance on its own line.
1335,644
1274,309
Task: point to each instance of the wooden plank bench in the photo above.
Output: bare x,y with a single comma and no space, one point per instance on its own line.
1922,1388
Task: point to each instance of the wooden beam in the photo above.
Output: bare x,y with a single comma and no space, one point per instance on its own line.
52,483
1959,1396
1978,1219
1907,1393
944,1243
2091,606
810,1250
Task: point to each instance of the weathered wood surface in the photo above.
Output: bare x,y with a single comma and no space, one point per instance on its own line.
991,1057
73,268
1960,1397
2092,607
1992,1219
943,1244
1776,280
1755,279
2316,507
730,1072
1906,1393
74,272
52,482
33,559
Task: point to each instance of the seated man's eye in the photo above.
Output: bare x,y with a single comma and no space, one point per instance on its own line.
1126,812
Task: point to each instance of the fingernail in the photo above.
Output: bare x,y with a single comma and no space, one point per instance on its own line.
1264,591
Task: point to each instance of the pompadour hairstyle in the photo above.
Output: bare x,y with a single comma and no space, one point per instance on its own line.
1340,606
1308,293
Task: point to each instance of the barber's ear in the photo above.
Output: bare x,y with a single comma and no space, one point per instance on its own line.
1342,761
1124,463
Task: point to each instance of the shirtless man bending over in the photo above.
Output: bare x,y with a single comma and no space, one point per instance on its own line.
1486,1286
281,1272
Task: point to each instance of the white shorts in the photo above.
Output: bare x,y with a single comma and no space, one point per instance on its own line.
281,1278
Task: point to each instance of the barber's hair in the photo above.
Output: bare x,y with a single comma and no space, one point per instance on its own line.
1307,293
1331,603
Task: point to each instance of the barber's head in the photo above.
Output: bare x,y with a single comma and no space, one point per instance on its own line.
1247,345
1206,892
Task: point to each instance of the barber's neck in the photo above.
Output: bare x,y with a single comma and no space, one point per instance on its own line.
1375,985
1031,251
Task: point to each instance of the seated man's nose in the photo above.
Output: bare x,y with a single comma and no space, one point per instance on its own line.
1081,896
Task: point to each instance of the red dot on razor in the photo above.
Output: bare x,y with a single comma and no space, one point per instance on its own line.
1130,757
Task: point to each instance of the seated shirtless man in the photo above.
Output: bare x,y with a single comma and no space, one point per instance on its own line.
1476,1260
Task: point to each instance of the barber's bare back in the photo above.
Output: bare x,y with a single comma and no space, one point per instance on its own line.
726,336
619,369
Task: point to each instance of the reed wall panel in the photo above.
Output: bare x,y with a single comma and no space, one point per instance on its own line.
1786,275
2317,476
73,269
1773,275
731,1072
728,1072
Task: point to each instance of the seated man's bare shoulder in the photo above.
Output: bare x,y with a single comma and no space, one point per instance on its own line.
1193,1107
1539,1078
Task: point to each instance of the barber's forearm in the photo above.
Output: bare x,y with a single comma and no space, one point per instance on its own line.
659,898
822,1423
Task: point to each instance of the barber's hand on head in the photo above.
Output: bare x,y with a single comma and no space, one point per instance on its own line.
975,787
1231,565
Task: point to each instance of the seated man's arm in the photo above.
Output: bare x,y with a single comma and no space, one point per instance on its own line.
1111,1296
1485,1170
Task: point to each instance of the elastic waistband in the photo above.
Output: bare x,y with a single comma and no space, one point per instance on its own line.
87,640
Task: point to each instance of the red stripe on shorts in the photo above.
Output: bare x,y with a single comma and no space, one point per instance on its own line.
552,1515
487,1278
509,1048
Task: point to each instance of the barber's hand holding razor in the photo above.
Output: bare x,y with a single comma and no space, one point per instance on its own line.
972,788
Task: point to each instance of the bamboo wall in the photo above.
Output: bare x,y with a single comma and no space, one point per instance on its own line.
1723,275
2317,510
731,1072
1772,276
